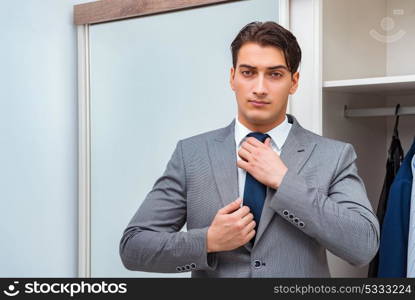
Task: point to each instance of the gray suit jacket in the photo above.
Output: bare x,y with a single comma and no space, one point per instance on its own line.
321,203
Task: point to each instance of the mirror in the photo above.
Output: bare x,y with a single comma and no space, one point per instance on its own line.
154,80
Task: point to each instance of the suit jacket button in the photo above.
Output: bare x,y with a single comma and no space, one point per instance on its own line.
188,267
257,264
193,265
291,216
301,224
296,220
179,269
285,212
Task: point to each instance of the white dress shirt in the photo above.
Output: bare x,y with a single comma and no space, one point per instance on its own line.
278,136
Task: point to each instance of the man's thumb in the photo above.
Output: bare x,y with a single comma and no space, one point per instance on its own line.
231,207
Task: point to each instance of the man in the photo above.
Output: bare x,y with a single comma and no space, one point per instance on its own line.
262,197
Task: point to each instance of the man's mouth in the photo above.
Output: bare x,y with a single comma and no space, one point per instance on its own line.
257,103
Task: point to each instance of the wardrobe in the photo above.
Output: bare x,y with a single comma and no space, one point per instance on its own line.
358,64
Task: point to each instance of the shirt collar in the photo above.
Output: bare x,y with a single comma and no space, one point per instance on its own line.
278,134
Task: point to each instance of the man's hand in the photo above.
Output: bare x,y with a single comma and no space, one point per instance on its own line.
263,163
232,227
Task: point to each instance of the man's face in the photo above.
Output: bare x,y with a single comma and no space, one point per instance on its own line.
262,83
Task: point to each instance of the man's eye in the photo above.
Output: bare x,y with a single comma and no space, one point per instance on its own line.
247,73
276,74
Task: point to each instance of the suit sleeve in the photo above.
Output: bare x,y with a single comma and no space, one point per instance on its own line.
152,241
341,220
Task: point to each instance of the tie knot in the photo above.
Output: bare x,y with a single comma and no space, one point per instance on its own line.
259,136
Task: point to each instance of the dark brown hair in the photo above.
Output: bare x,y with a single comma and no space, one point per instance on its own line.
269,34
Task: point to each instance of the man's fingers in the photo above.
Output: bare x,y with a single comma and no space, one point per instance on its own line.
242,164
248,147
231,207
247,219
254,142
249,227
250,236
242,212
244,154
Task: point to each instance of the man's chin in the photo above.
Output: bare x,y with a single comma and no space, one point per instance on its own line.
260,120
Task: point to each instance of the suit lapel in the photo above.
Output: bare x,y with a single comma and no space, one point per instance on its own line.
222,152
294,153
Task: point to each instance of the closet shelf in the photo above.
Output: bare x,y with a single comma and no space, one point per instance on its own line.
390,85
377,112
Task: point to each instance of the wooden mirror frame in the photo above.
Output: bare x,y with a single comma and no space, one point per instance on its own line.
114,10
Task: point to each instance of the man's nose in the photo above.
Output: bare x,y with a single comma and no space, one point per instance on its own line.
260,89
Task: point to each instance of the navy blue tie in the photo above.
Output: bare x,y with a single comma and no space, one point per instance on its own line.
255,191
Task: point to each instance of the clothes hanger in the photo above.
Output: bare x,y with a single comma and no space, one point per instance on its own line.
395,129
395,136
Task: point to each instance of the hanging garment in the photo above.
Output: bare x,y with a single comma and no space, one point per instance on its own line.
411,239
394,235
395,157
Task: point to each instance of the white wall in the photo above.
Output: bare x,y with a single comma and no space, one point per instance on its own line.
401,30
38,139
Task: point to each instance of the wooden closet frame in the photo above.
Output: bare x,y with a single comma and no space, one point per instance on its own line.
102,11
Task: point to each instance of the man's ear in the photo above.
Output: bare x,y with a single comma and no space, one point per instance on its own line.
294,80
232,76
